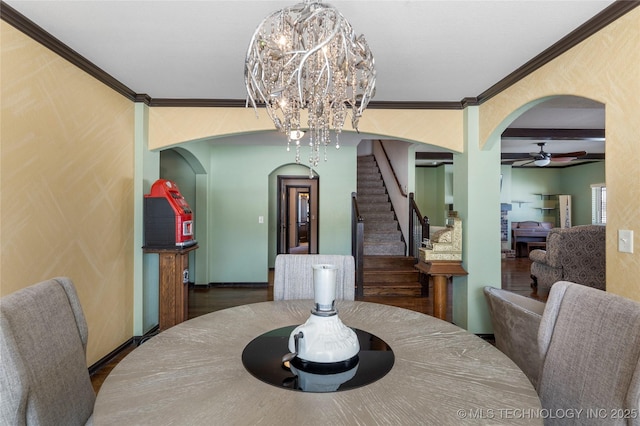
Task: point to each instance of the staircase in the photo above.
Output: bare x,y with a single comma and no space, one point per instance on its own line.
382,234
387,271
391,276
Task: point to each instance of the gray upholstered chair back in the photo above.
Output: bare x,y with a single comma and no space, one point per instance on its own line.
589,342
516,320
293,275
574,254
43,340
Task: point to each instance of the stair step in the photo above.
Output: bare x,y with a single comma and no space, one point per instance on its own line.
361,183
382,237
384,248
366,168
372,199
368,207
390,277
375,226
371,190
366,159
367,175
397,289
378,216
388,262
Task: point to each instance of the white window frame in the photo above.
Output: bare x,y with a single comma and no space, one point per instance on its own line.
599,204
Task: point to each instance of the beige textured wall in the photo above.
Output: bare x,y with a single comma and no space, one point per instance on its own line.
172,125
605,67
66,186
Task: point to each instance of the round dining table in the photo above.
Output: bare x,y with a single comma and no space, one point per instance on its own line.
193,374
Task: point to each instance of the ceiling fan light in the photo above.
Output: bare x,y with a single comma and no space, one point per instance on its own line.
541,162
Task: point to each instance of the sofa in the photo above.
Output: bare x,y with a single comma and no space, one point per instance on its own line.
574,254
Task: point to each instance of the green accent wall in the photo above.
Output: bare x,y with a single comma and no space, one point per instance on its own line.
575,181
434,192
476,189
146,274
241,184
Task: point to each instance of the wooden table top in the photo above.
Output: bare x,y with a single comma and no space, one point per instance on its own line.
193,374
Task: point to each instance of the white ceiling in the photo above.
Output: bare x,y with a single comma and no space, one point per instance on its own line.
425,51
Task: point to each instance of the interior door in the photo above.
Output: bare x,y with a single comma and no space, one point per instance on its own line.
297,215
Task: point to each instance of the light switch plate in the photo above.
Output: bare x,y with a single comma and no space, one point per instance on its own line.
625,241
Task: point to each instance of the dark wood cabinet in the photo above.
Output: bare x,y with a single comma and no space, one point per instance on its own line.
174,282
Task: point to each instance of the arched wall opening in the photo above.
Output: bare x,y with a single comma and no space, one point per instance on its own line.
529,193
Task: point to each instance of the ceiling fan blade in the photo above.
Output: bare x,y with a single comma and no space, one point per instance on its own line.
570,154
513,160
567,157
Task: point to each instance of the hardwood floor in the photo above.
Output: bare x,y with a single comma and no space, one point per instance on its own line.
515,277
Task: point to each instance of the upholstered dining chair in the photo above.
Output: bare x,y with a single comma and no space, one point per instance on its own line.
589,343
43,339
293,275
516,320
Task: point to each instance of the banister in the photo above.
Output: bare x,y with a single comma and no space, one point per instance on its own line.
423,222
404,194
357,243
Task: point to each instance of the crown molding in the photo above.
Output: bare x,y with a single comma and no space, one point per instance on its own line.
604,18
584,31
29,28
215,103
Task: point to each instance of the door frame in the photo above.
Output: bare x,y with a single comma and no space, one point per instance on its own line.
285,184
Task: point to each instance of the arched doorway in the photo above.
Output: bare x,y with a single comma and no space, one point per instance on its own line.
182,167
570,130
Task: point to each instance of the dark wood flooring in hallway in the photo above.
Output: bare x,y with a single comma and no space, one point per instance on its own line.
515,277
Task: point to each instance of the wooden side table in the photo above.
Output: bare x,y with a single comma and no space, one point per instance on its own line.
174,293
441,271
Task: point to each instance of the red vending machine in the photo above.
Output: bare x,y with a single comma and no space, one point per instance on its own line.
168,219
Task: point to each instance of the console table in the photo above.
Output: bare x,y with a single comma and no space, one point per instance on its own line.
441,271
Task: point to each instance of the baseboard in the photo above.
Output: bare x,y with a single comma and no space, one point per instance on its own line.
238,285
107,359
148,334
135,340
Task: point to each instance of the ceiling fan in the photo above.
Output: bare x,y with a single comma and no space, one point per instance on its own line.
542,158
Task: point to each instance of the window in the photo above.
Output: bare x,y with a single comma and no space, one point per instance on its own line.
599,204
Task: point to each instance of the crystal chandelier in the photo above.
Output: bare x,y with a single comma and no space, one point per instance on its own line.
307,56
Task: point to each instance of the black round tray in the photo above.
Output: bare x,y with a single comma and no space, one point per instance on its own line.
262,357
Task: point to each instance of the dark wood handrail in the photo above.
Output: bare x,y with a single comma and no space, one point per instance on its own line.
357,243
414,212
404,194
